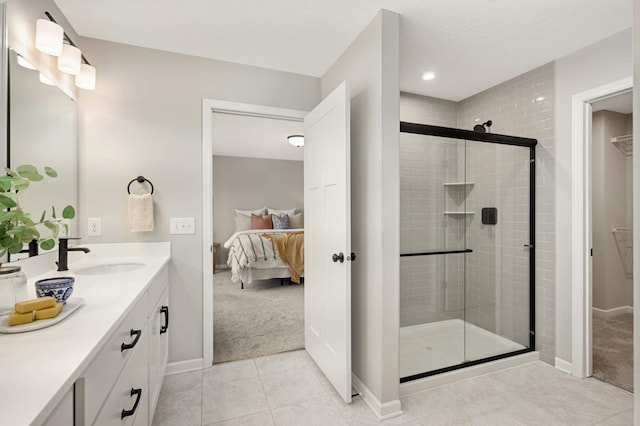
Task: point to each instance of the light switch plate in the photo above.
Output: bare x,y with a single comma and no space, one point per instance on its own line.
182,225
94,226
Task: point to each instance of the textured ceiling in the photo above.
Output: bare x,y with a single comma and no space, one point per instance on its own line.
471,44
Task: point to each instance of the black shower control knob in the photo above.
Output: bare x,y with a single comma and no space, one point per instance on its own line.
338,257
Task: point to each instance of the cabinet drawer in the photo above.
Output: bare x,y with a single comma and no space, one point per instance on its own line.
129,394
157,287
99,378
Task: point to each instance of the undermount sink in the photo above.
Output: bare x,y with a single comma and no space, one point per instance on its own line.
109,268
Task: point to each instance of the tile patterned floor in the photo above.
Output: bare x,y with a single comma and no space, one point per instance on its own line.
613,350
289,389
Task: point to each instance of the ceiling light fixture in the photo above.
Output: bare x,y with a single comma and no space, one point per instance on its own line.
429,75
70,58
296,140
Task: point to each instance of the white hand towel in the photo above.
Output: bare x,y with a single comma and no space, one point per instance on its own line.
140,213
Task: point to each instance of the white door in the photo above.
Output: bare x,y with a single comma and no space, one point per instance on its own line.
327,244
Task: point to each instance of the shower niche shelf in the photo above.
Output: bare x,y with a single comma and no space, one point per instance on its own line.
459,213
458,184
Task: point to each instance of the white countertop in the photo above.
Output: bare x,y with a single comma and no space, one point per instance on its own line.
38,367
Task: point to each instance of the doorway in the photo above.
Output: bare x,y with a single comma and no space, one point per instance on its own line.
582,222
612,235
258,307
209,108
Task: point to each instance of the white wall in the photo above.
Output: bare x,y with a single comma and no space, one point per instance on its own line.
144,118
601,63
370,66
249,184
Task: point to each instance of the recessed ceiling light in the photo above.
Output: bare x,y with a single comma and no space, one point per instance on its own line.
429,75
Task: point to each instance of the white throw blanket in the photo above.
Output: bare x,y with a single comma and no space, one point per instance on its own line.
246,249
140,213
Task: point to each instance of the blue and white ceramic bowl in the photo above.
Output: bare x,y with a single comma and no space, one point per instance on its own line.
58,287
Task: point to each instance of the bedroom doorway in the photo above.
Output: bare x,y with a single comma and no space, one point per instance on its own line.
254,171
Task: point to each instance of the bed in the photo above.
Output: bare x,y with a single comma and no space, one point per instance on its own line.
255,254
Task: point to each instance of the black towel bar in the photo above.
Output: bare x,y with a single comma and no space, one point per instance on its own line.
140,179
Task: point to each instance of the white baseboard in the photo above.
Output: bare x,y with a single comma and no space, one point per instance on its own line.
608,313
184,366
564,366
385,410
419,385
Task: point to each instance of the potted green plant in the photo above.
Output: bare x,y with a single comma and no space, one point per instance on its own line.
18,227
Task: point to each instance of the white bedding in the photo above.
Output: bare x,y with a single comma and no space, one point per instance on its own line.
249,251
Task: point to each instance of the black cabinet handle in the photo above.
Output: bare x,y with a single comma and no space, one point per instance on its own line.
137,334
338,257
165,310
138,394
352,257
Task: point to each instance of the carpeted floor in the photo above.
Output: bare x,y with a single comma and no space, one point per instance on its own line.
613,350
264,318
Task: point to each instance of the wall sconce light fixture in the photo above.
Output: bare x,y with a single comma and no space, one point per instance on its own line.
296,140
49,36
87,78
70,58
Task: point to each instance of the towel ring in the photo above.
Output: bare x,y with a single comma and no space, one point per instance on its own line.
140,179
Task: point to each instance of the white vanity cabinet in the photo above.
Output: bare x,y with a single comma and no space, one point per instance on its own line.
122,383
158,338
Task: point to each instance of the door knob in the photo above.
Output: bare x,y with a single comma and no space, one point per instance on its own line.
352,257
338,257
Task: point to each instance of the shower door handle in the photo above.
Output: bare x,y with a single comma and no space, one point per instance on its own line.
528,245
338,257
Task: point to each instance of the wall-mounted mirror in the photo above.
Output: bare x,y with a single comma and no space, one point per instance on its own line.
42,131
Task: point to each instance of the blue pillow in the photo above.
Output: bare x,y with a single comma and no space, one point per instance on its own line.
280,222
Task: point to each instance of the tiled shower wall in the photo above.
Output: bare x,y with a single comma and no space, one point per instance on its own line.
520,107
426,294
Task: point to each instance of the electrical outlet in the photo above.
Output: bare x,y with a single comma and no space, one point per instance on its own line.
182,225
94,226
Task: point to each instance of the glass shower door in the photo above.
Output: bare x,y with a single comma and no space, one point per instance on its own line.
497,290
466,262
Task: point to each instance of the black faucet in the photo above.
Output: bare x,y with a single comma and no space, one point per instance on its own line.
64,249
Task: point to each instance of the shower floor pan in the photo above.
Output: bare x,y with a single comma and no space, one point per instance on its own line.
428,347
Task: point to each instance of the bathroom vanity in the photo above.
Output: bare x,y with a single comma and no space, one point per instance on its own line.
104,364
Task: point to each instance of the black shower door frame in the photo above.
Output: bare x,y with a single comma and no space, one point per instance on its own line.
494,138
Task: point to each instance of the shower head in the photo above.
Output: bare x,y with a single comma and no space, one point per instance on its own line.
484,127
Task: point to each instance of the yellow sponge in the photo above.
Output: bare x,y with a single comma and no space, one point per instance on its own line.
27,306
17,318
48,312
